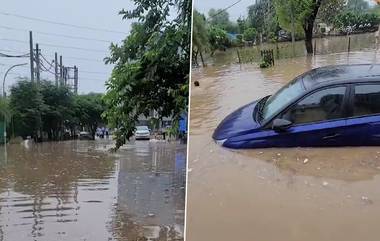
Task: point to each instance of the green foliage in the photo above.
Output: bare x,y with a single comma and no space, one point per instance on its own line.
249,34
329,9
44,107
26,104
58,108
264,64
151,65
200,34
262,17
218,39
88,110
218,17
355,21
242,25
290,12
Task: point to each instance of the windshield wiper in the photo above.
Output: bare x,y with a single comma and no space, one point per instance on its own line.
260,108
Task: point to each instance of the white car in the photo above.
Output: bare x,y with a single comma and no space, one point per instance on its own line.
142,133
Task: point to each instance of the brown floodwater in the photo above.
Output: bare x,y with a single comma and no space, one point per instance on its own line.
274,194
77,190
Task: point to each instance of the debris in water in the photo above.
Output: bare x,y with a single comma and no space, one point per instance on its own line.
260,152
151,215
189,170
305,161
325,184
278,154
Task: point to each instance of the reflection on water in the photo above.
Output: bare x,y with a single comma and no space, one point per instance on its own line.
280,193
77,191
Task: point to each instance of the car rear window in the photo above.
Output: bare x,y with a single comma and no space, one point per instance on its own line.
366,100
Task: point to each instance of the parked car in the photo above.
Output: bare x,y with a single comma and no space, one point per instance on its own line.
84,135
142,133
328,106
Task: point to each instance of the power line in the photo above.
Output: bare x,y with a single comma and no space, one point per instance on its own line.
54,45
61,23
225,9
67,57
57,35
13,56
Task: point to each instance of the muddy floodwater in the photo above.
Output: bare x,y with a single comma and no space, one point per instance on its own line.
76,190
291,194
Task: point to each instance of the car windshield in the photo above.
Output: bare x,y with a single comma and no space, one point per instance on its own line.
282,98
142,128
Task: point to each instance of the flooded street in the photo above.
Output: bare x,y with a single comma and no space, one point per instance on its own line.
76,190
289,194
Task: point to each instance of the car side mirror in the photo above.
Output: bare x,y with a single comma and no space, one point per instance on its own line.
281,124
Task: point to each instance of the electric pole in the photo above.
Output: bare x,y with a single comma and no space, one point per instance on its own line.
38,64
75,79
31,56
56,68
60,70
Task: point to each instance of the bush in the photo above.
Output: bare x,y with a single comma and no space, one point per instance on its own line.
250,34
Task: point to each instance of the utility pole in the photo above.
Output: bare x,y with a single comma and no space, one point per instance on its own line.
60,70
31,56
75,79
38,64
56,68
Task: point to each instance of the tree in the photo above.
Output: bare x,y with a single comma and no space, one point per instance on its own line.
329,9
262,16
219,17
26,104
58,109
89,109
249,34
151,65
304,12
242,25
218,39
200,36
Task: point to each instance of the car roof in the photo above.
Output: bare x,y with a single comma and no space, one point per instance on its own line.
336,74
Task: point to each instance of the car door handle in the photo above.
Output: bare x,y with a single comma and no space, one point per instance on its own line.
331,136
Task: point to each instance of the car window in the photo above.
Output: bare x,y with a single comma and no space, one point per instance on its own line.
366,100
283,98
322,105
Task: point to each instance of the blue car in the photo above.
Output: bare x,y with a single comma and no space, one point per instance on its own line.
329,106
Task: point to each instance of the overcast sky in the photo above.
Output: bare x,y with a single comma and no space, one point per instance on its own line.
240,9
95,14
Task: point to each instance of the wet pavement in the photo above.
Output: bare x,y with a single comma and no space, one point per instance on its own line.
77,190
287,194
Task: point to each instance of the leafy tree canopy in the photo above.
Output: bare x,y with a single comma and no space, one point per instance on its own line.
250,34
151,65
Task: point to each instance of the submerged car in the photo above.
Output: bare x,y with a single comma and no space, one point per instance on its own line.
142,133
329,106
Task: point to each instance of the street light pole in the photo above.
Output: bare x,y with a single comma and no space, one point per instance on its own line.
3,96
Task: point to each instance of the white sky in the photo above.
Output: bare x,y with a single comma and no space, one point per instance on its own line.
92,13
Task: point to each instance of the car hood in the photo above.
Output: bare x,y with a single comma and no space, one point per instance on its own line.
236,123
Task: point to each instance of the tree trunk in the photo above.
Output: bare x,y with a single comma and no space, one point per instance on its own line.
203,62
309,40
309,25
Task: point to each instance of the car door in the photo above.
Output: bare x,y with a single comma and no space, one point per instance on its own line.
318,119
364,121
